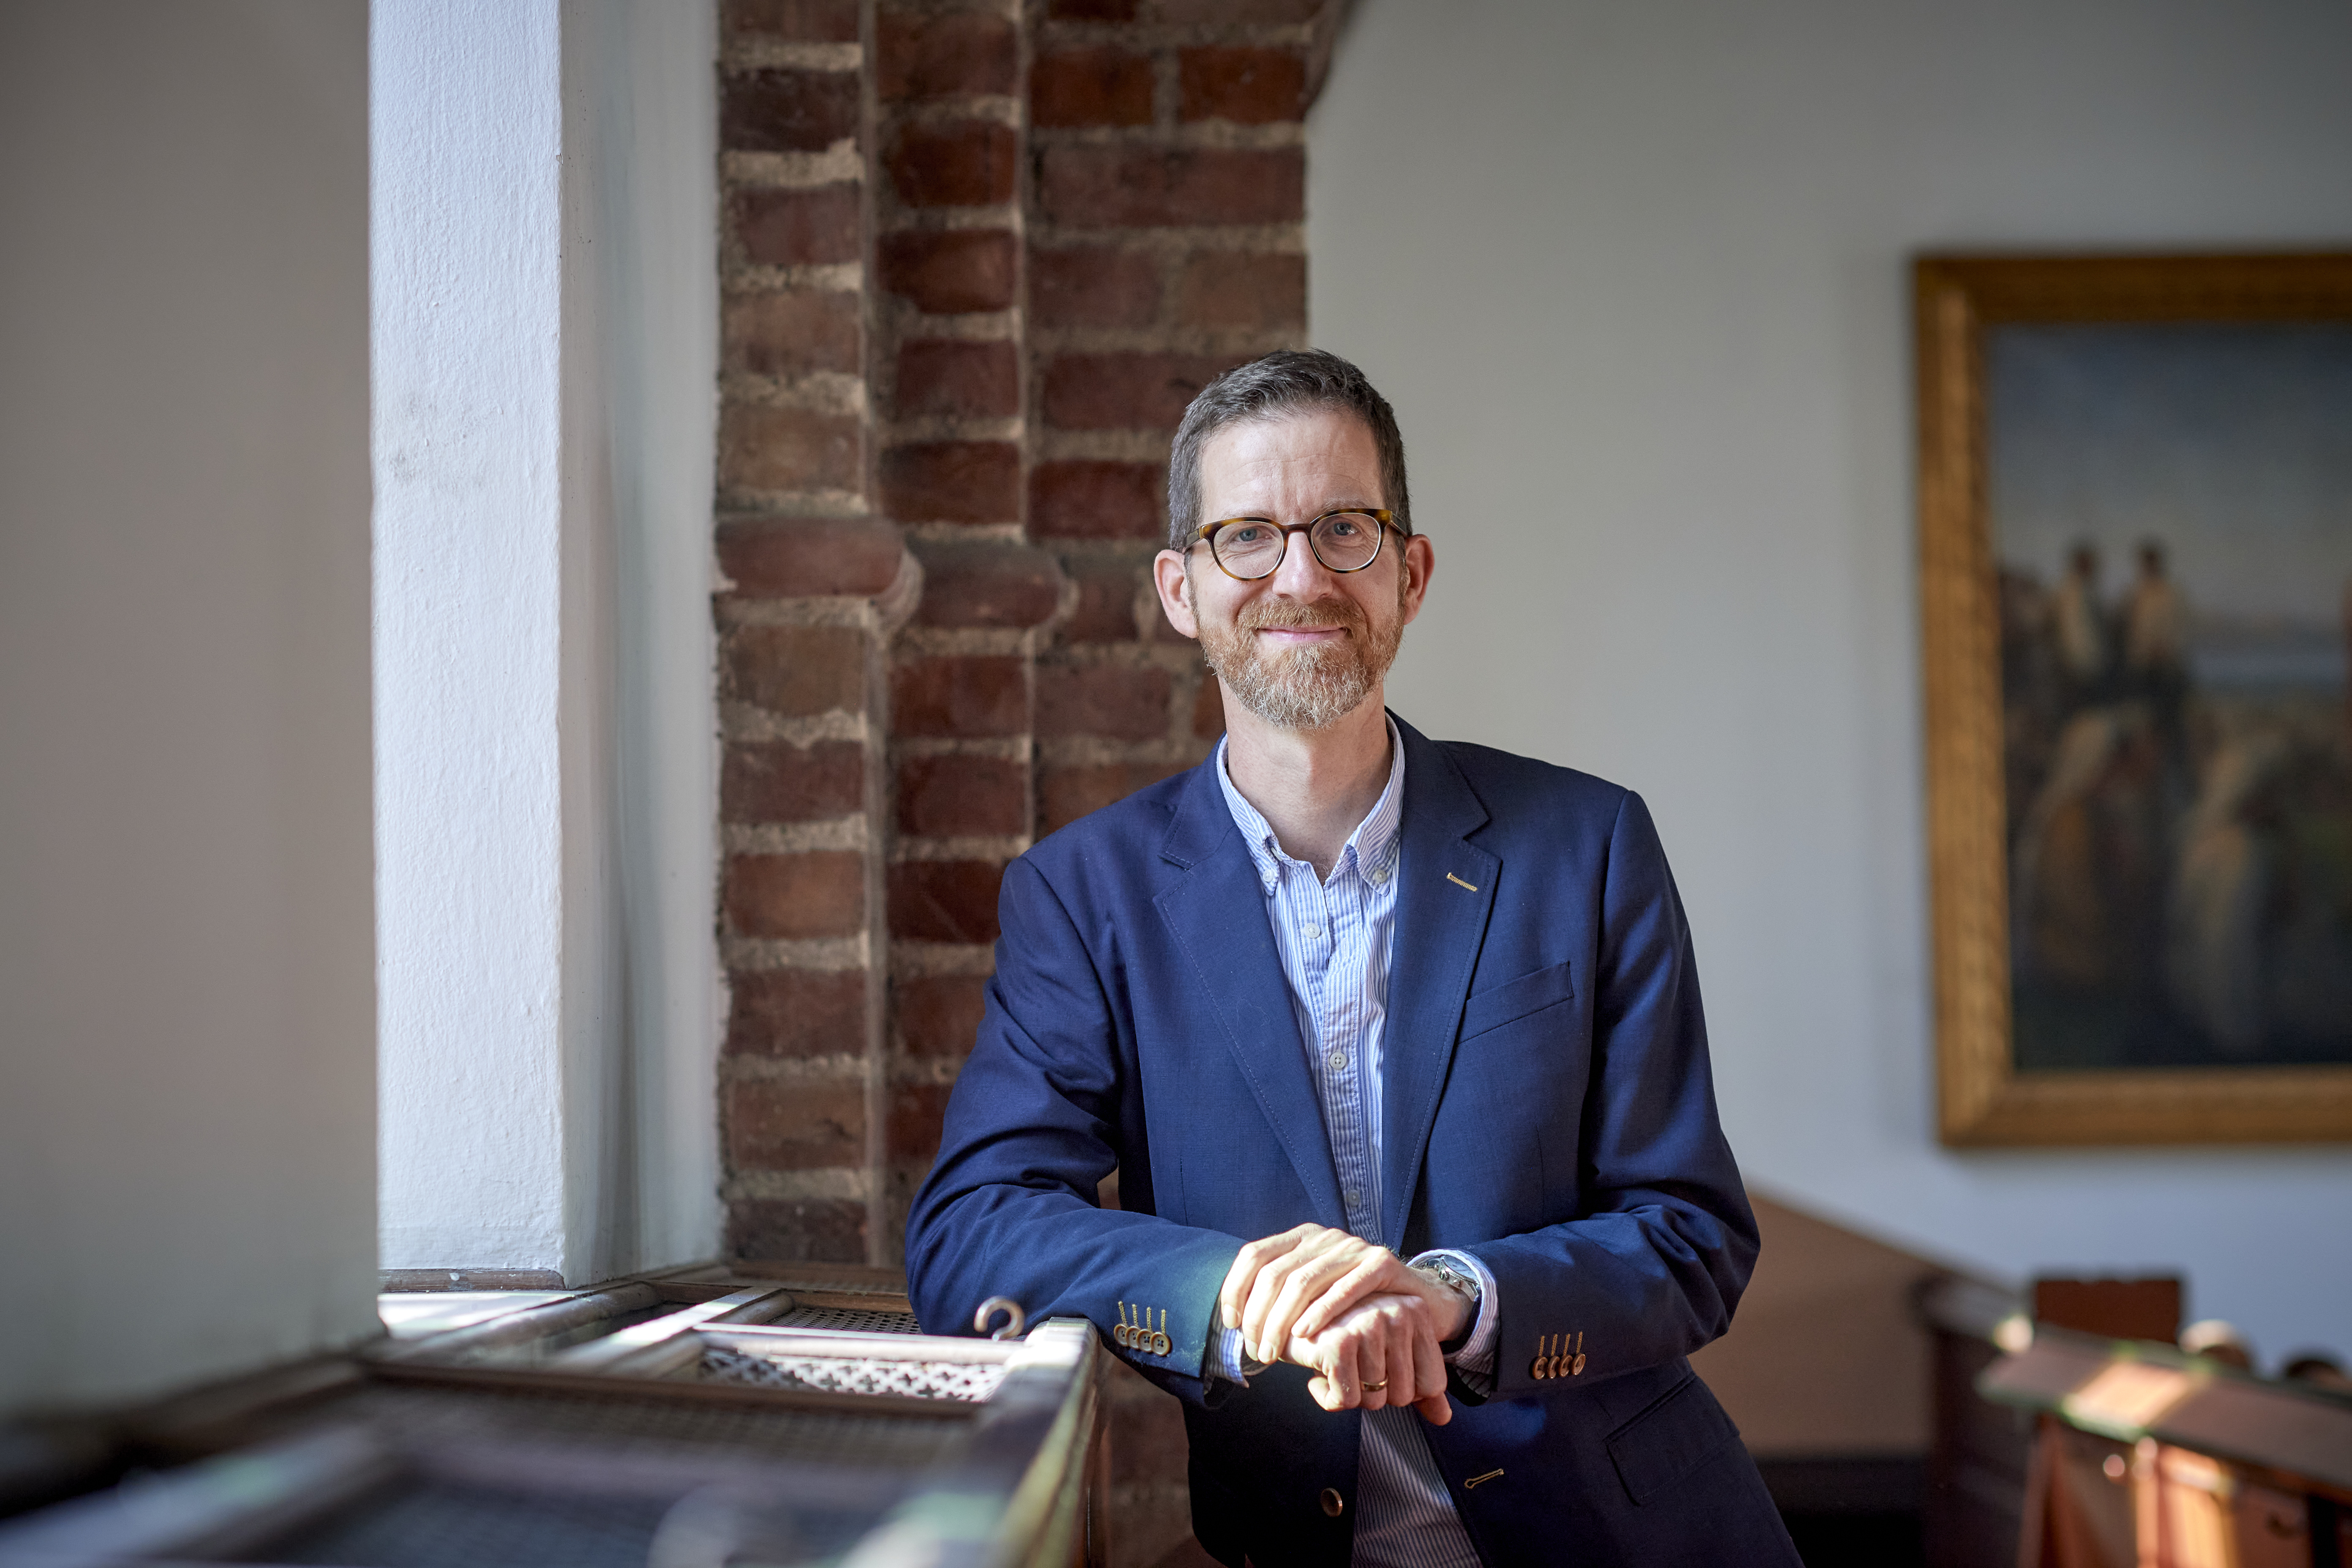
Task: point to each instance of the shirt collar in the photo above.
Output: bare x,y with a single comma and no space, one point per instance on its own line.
1370,846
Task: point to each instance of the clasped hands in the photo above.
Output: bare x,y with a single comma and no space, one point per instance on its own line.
1367,1325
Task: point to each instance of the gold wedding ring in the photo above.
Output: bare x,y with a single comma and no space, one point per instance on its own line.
1376,1387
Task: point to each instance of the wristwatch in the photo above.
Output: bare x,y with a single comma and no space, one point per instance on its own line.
1462,1282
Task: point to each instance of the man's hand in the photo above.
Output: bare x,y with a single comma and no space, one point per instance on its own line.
1298,1284
1311,1282
1381,1351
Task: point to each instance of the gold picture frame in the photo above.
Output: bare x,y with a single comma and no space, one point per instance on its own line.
1984,1099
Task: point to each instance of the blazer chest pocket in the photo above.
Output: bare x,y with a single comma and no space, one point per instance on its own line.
1667,1441
1515,999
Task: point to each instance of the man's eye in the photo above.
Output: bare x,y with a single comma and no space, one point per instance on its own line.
1344,527
1248,533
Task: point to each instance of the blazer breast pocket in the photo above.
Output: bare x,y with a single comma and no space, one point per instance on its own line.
1515,999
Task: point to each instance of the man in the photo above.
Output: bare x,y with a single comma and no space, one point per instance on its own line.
1341,997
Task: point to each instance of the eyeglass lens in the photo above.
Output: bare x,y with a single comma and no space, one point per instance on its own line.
1342,541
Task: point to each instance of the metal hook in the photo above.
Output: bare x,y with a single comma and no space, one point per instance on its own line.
1016,1320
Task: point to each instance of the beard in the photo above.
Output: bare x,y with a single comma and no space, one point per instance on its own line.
1304,688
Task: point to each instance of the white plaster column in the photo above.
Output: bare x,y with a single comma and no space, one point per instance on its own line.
542,215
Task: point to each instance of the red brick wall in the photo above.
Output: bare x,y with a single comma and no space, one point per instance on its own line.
977,258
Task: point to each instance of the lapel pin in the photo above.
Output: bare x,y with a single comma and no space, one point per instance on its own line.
1460,883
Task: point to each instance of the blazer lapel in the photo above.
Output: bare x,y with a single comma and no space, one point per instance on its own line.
1217,914
1446,890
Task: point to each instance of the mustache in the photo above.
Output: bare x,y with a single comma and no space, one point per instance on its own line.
1282,614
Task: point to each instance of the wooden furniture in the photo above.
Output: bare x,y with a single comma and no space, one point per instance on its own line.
1979,1452
2152,1458
683,1420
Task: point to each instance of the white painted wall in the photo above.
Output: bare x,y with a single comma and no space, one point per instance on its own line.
543,268
641,128
1634,277
186,1088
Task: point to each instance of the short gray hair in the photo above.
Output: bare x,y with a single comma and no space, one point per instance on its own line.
1287,382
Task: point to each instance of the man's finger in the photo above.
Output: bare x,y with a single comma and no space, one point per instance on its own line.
1391,1351
1259,1302
1253,1256
1405,1370
1367,1278
1335,1386
1437,1410
1428,1366
1302,1284
1267,1314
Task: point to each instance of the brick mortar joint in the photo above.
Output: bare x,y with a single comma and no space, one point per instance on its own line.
1284,239
853,612
907,850
907,1068
829,391
897,219
921,959
818,956
1186,136
810,502
742,54
984,108
838,164
842,1067
819,1183
816,276
738,724
825,836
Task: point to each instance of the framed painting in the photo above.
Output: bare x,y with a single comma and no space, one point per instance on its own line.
2135,570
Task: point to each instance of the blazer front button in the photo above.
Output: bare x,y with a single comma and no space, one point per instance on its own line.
1333,1503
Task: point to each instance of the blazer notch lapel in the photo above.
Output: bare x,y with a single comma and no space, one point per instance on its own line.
1217,915
1445,895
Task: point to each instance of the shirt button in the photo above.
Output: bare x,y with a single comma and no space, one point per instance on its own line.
1355,1195
1312,933
1335,1061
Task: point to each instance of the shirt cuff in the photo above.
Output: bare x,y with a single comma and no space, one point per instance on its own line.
1475,1360
1229,1357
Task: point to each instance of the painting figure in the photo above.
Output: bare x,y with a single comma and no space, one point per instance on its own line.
2179,751
2079,624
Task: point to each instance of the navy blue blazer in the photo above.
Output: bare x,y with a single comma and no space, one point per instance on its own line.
1548,1107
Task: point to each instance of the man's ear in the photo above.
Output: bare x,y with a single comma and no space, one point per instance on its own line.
1420,560
1175,587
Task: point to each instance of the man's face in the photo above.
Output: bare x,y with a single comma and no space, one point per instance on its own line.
1304,647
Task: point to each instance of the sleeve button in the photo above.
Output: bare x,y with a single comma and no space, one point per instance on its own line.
1333,1503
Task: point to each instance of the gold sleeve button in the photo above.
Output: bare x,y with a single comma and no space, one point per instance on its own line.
1333,1503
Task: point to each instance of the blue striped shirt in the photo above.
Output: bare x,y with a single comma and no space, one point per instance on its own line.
1334,938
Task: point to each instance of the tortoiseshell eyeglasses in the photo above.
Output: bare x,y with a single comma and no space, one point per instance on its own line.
1248,548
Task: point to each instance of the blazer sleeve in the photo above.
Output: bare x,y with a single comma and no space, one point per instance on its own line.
1663,1243
1033,1125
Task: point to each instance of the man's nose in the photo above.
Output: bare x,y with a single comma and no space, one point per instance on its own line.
1301,575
